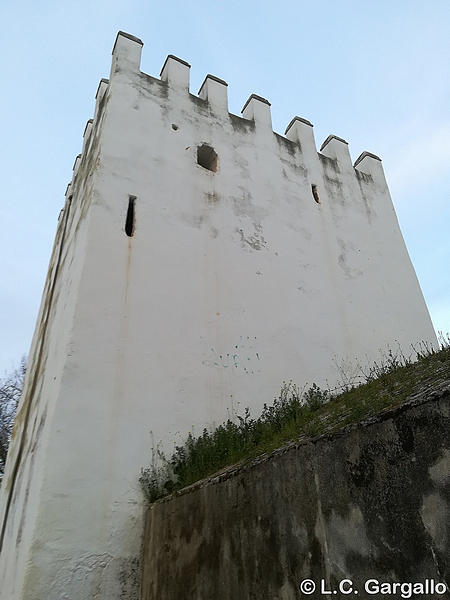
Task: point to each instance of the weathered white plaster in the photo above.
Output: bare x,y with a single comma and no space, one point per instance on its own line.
233,282
214,91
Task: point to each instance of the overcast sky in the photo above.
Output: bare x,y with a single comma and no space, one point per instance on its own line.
374,73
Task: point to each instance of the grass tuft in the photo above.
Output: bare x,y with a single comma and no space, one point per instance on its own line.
297,413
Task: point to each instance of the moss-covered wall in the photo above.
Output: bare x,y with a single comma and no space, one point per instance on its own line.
371,502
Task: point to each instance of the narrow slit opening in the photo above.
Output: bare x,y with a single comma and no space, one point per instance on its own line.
130,220
315,193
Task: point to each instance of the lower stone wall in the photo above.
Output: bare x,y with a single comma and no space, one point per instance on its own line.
371,502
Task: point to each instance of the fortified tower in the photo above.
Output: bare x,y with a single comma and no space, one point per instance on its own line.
200,260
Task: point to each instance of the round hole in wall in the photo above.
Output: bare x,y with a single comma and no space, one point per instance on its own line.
174,127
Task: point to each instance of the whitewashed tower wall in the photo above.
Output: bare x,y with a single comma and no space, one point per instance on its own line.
231,282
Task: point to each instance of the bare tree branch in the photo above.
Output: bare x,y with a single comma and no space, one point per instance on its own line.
10,391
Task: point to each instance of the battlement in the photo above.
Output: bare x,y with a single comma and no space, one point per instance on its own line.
160,162
201,259
175,80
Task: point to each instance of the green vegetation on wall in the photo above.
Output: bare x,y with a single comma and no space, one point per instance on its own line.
297,413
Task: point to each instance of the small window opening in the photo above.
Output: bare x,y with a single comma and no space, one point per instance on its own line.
130,220
207,157
315,193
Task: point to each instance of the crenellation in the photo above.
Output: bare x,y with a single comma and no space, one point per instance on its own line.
364,177
321,169
241,124
103,84
337,148
258,109
330,138
206,259
176,72
126,54
201,104
100,97
301,131
87,135
76,165
152,86
330,164
290,145
127,36
364,155
300,120
371,164
214,91
87,128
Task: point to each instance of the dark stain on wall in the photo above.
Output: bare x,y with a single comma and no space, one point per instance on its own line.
148,86
241,124
289,145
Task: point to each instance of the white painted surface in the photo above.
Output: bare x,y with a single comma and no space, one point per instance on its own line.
233,282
